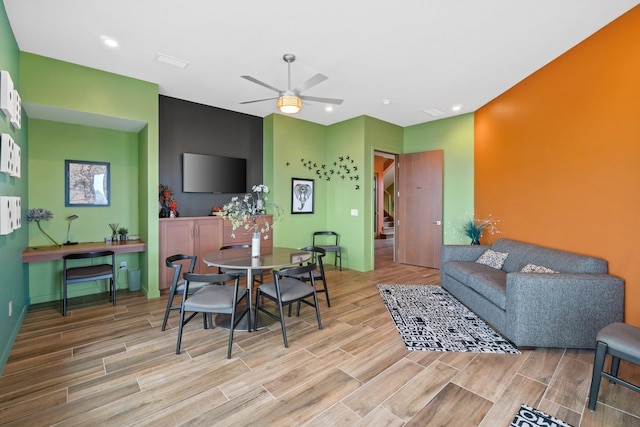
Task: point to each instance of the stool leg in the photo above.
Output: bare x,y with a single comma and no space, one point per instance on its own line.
615,365
598,364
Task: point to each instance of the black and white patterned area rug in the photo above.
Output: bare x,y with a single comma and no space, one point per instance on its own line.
430,319
530,417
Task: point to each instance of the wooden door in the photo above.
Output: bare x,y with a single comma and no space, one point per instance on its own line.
419,208
208,238
176,237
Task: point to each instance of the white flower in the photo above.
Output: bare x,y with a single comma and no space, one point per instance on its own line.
260,188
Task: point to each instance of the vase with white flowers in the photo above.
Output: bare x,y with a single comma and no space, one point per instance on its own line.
260,192
243,212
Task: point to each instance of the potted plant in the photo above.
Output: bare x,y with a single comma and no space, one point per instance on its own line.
123,231
474,227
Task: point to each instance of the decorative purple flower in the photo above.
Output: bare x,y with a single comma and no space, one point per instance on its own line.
40,214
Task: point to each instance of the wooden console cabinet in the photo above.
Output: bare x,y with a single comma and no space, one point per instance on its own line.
199,236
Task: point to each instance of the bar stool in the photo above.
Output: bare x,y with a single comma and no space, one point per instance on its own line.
621,341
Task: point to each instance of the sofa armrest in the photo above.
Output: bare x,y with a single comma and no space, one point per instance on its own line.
561,309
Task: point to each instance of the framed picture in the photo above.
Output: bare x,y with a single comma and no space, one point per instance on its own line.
86,183
301,196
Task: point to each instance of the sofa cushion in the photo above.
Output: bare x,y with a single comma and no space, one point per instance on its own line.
492,258
533,268
460,270
490,284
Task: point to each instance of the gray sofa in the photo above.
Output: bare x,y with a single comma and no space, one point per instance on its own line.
564,309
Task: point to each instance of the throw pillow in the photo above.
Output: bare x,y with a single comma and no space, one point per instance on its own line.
532,268
493,259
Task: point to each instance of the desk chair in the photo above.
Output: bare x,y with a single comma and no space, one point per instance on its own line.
621,341
333,245
88,273
216,298
258,274
177,285
286,289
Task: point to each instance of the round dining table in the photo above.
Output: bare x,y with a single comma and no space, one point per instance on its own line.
240,258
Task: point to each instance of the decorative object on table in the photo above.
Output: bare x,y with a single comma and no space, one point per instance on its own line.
70,219
260,191
474,227
531,417
217,211
122,232
242,211
87,183
428,318
40,214
114,231
301,196
168,205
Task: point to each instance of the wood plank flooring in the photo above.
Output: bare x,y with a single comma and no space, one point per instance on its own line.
104,365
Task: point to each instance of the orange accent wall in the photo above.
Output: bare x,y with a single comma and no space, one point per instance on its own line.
557,157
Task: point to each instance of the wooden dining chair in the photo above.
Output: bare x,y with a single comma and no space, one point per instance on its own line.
329,241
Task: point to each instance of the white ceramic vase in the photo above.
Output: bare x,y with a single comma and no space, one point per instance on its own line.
255,245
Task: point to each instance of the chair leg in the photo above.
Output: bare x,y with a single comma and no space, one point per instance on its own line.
168,309
180,331
317,306
64,299
283,327
615,365
598,364
113,289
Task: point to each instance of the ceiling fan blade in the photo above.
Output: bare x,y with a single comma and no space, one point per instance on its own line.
318,78
256,81
319,99
259,100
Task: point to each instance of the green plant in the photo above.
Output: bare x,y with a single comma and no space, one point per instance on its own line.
123,230
474,227
243,213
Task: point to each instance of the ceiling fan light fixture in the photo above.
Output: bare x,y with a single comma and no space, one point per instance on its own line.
289,104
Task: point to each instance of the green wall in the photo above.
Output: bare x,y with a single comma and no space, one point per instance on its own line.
13,279
77,142
291,140
83,92
455,137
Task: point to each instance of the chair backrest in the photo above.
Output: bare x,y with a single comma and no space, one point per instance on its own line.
84,255
172,262
333,235
297,271
318,254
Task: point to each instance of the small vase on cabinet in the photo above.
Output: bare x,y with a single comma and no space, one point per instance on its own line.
255,245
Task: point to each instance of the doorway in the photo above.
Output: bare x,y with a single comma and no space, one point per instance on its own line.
384,202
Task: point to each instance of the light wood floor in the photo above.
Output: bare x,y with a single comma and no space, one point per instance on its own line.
113,366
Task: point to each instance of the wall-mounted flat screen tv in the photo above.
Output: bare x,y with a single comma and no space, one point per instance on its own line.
204,173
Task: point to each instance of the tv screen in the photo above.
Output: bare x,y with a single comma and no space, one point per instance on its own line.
204,173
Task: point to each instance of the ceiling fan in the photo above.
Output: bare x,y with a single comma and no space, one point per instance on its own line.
290,100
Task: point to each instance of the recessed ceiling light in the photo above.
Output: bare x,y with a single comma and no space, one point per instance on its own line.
435,112
457,107
109,41
170,60
386,101
328,108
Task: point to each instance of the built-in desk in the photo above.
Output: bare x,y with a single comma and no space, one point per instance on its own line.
54,252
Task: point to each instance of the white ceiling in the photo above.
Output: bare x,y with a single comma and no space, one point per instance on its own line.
419,54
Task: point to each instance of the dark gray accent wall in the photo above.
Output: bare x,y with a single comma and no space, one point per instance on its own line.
187,127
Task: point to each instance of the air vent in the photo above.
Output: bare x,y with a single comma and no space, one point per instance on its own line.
169,60
435,112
